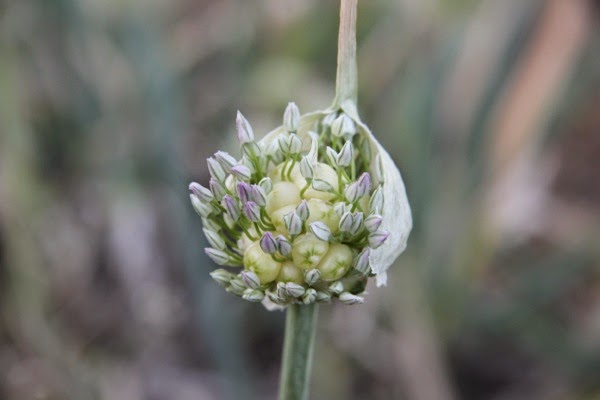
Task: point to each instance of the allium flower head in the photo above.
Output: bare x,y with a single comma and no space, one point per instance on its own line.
309,212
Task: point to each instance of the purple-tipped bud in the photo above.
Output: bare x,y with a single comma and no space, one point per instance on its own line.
201,192
364,184
218,256
250,279
241,172
306,168
243,191
214,239
252,211
268,244
357,221
302,210
226,160
293,223
351,299
266,184
321,231
377,238
346,155
332,156
291,117
376,201
361,264
231,207
373,222
216,170
244,130
258,195
284,246
217,188
351,192
346,222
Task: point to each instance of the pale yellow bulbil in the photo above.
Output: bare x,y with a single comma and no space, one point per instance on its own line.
290,273
283,194
336,262
307,251
277,217
320,210
261,263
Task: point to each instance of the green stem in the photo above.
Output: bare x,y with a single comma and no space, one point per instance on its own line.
346,84
298,349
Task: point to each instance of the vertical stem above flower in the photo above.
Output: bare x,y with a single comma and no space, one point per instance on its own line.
346,85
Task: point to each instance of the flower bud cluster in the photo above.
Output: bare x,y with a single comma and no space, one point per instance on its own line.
300,213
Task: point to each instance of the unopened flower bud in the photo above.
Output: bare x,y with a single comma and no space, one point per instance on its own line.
252,211
231,207
211,225
329,118
322,186
258,195
217,188
268,244
216,170
376,201
218,256
312,276
250,279
372,222
350,299
266,184
226,160
295,144
291,117
222,277
251,150
201,192
361,263
237,286
253,295
332,156
364,184
343,126
241,172
283,142
336,287
306,168
357,223
244,130
293,223
303,211
214,239
321,231
341,208
351,192
294,290
309,296
203,209
323,297
243,191
284,246
377,238
346,155
281,290
346,222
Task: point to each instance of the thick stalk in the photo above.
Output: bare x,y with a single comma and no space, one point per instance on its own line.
298,349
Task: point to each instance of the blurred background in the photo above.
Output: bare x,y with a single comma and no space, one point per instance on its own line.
108,109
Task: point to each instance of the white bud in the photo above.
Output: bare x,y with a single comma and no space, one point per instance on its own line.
216,170
291,117
306,168
357,222
295,145
244,130
294,290
309,296
203,209
226,160
321,231
322,186
303,211
346,222
343,126
222,277
361,263
253,295
346,155
372,222
323,297
332,156
218,256
241,172
350,299
336,287
266,184
250,279
312,276
203,193
376,201
293,223
214,239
